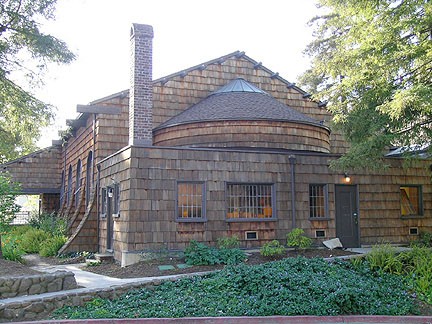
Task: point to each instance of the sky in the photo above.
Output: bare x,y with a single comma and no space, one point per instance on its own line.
186,33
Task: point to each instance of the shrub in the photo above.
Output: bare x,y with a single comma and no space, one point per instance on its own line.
11,249
296,239
272,248
32,239
50,223
424,240
231,256
384,257
51,246
200,254
228,242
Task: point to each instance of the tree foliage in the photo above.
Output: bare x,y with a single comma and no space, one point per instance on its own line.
372,63
25,51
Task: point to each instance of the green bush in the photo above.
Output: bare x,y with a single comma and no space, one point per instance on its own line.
384,257
51,246
228,242
424,240
32,239
11,248
231,256
296,239
292,286
50,223
272,248
200,254
197,253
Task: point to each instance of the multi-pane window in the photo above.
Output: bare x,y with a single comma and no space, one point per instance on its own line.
250,201
318,201
190,200
411,200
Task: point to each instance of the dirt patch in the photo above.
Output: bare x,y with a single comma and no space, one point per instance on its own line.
152,268
14,269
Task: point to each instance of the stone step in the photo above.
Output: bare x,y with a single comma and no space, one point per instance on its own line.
104,257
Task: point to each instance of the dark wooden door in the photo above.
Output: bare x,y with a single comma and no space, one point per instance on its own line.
347,221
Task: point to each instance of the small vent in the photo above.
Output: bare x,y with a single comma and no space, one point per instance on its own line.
320,233
413,231
251,235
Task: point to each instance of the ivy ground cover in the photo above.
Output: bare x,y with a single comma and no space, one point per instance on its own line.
293,286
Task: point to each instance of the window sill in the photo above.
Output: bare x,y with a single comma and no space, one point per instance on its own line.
191,220
411,216
320,218
242,220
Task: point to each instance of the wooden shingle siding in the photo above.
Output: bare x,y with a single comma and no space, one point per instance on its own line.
39,172
265,134
149,196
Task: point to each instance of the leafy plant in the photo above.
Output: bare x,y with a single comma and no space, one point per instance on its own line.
272,248
292,286
228,242
231,256
49,222
200,254
32,239
51,246
11,249
424,240
298,240
384,257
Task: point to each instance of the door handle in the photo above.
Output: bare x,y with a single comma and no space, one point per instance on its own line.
355,218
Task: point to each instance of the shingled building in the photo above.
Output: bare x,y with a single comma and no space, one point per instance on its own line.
227,147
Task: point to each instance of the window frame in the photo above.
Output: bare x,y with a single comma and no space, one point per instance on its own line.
203,217
116,200
103,202
326,201
419,201
252,219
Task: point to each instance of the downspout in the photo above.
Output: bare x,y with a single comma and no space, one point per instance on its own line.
292,161
96,189
97,205
94,147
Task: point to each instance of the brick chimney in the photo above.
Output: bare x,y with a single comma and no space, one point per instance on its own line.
141,88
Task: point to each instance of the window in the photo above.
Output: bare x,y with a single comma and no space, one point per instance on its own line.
104,202
411,200
116,198
89,177
190,201
78,183
62,188
69,186
250,201
318,201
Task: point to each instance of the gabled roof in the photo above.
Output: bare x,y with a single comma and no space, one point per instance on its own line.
238,100
203,66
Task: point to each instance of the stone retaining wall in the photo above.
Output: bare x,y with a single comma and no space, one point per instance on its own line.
36,284
39,308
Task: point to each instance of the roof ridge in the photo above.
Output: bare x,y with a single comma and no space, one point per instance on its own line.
203,65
